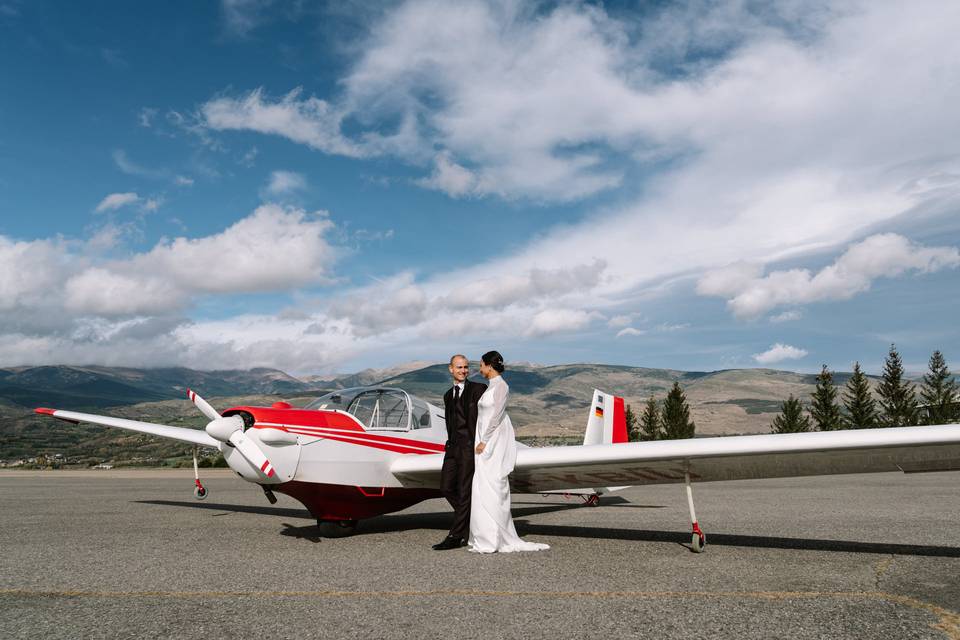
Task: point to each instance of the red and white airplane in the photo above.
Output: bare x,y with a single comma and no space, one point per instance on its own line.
362,452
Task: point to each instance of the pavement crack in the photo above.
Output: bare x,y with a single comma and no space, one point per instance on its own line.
881,569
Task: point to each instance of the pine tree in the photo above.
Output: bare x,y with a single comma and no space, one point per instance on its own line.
676,415
825,409
633,431
897,398
939,392
650,421
791,418
860,405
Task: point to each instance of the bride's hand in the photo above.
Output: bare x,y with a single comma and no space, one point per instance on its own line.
481,447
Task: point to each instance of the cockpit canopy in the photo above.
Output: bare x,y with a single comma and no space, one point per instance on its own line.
378,408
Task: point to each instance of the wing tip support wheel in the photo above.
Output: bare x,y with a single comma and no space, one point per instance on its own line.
337,528
200,492
698,540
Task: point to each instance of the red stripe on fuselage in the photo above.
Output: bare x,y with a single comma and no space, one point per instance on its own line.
409,446
301,417
362,435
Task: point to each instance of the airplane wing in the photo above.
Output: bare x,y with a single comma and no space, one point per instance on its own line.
192,436
907,449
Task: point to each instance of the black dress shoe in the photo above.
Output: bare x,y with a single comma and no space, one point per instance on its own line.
450,542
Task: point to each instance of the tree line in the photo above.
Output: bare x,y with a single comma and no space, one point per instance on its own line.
671,421
897,405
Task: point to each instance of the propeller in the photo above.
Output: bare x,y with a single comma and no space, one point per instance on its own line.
230,429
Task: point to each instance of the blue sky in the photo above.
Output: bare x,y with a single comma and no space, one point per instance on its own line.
325,188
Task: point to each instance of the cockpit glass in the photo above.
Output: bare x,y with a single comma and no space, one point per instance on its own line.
378,408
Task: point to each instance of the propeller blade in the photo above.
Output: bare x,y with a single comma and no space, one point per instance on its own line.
249,450
203,405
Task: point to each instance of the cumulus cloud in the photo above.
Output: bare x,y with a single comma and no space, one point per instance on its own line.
550,321
284,182
116,201
889,255
449,177
778,353
274,248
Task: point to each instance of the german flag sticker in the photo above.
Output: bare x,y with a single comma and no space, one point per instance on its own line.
598,412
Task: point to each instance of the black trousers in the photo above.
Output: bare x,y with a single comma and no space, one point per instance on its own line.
456,484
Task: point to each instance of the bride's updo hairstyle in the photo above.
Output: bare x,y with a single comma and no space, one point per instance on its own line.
493,359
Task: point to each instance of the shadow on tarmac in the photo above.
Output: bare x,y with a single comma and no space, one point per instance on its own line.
441,522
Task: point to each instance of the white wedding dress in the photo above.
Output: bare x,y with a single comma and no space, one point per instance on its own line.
491,526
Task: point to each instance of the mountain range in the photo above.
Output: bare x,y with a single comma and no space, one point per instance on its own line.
546,401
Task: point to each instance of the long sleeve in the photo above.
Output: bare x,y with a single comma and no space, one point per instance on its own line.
500,392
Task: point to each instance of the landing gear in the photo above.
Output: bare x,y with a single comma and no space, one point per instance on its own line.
698,540
199,491
337,528
591,501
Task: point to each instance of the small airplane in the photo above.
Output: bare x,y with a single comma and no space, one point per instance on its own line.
361,452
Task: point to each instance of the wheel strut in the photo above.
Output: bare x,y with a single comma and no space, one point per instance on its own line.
699,539
199,491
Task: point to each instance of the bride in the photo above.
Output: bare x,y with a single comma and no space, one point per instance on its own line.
491,527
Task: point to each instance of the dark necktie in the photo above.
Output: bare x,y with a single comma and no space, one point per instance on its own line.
457,405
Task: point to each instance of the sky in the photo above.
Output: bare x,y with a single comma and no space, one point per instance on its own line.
326,187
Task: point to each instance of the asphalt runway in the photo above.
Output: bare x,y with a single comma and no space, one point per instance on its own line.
112,554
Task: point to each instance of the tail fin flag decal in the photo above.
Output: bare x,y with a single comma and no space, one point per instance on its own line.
606,422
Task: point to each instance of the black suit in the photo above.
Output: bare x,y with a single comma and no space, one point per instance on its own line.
456,477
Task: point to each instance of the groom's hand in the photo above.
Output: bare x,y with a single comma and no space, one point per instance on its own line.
481,447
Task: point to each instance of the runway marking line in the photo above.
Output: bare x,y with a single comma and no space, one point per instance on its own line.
949,621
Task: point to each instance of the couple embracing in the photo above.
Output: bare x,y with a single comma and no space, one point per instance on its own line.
481,452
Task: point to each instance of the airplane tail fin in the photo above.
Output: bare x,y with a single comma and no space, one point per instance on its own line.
607,422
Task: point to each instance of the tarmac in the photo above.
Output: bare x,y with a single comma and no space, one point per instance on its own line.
131,554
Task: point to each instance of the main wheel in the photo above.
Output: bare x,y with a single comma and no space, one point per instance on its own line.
337,528
592,501
200,493
698,542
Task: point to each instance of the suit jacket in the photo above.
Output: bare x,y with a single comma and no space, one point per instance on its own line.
470,396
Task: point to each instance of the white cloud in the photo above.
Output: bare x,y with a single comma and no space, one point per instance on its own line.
284,182
550,321
449,177
883,255
146,117
116,201
128,166
630,331
183,181
99,291
623,319
311,121
778,353
273,249
786,316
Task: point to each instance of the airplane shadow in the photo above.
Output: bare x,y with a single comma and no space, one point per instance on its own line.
733,540
440,521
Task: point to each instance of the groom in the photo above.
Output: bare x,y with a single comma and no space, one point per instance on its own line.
456,477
